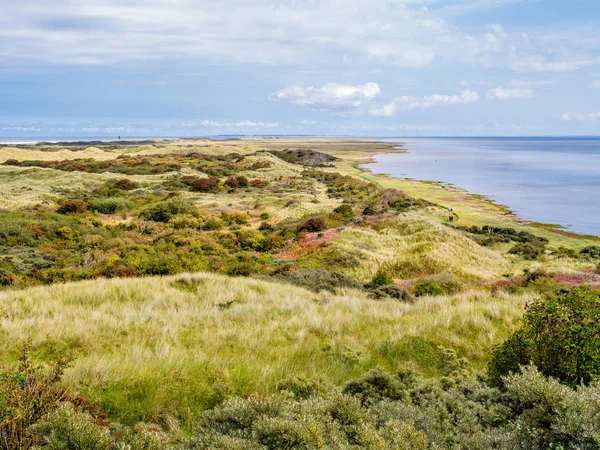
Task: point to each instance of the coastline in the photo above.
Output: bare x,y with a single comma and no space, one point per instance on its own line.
459,198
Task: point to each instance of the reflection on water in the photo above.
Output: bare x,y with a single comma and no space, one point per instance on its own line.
550,180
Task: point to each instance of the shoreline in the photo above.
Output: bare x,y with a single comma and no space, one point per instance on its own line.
507,212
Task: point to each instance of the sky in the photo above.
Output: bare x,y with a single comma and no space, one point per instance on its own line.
133,68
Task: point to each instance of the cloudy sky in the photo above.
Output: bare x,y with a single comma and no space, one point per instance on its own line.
321,67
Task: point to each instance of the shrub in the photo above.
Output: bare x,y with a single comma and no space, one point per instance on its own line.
7,278
381,278
592,252
258,183
27,394
560,335
212,223
318,280
313,225
110,206
344,211
66,428
266,227
303,387
235,217
375,385
70,206
391,291
428,288
235,182
164,211
210,184
527,250
123,183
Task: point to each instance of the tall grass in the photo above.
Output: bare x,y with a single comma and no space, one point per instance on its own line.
164,349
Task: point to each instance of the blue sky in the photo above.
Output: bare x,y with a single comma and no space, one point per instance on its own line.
322,67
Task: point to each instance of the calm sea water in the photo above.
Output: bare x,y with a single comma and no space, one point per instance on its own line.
550,180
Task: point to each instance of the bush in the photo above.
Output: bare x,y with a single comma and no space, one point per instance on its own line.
591,252
235,182
318,280
426,287
391,291
164,211
313,225
210,184
66,428
381,278
123,183
235,217
110,206
375,385
27,394
527,251
70,206
560,335
344,211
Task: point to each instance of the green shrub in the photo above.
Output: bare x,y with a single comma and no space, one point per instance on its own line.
382,278
427,287
391,291
69,429
7,278
27,393
304,387
374,386
527,251
110,206
560,335
344,211
164,211
235,217
591,252
318,280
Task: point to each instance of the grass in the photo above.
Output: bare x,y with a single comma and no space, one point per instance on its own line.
164,349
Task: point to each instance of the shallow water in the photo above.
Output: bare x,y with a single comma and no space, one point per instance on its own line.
549,180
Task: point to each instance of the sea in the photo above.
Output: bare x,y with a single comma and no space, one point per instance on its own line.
548,180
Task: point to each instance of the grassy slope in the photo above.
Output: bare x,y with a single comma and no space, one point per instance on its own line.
159,349
156,350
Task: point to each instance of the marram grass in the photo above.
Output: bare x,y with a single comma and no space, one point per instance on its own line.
163,349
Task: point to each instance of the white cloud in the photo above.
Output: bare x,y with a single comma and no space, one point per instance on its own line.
296,32
330,95
581,117
500,93
596,83
407,103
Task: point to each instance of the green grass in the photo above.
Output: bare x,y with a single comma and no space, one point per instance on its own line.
163,350
166,349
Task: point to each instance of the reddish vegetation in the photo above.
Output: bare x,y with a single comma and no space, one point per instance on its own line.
309,243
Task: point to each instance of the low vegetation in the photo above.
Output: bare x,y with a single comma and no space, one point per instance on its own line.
260,294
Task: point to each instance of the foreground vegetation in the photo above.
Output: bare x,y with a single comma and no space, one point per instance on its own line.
269,294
